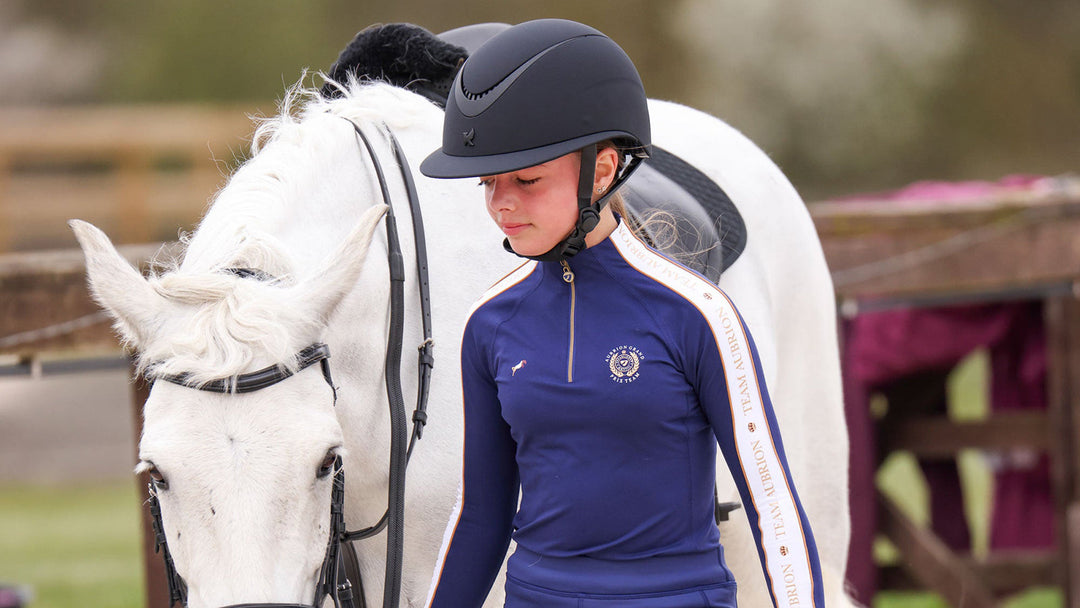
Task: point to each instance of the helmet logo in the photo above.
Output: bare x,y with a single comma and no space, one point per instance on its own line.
468,136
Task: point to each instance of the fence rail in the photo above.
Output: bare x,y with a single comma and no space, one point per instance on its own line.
138,172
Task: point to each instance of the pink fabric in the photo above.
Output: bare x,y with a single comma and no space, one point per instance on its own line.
884,349
957,192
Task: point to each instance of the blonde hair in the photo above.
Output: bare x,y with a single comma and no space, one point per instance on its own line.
658,228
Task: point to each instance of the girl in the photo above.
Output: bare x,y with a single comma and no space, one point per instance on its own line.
599,377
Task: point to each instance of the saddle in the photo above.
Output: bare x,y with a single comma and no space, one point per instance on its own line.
679,209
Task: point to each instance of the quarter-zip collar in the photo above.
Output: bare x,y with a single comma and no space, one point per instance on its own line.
589,261
581,272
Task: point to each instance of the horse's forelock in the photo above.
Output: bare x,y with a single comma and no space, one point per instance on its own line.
229,325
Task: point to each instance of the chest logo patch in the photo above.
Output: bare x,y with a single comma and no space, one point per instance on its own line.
625,363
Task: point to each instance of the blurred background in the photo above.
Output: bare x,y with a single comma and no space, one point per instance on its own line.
847,96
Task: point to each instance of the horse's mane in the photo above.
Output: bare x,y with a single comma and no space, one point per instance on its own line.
235,319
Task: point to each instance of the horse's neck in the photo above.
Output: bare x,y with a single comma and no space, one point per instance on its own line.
288,224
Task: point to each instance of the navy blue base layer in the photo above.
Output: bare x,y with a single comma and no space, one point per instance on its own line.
679,581
523,595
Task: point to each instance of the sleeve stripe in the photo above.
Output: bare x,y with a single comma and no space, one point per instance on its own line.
512,278
787,559
789,576
448,535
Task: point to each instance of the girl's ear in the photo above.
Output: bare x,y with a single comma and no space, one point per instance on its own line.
607,165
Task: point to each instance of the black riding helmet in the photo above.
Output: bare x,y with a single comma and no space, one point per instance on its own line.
537,91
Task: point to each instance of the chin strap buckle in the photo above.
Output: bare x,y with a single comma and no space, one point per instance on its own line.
588,218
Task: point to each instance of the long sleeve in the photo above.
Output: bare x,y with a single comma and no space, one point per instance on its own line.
479,529
731,388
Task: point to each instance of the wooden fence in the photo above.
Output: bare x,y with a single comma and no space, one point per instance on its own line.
137,173
882,255
994,249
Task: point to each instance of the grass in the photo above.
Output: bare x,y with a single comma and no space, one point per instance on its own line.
72,546
1036,598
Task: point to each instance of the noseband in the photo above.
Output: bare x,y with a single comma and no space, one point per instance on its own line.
333,580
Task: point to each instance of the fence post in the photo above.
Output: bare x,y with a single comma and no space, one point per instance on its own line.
5,221
133,175
1063,332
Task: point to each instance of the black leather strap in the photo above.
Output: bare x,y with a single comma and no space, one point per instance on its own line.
177,588
426,360
395,508
260,379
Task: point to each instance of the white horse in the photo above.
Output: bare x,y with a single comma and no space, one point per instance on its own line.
244,487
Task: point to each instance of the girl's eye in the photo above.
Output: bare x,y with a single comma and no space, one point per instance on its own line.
526,182
484,182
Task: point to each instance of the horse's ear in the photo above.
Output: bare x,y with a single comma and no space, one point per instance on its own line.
322,292
117,285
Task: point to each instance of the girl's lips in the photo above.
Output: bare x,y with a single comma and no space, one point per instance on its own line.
513,229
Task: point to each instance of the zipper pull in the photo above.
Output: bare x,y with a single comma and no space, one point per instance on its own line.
567,274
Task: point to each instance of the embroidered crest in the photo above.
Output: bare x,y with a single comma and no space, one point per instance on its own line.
514,370
624,362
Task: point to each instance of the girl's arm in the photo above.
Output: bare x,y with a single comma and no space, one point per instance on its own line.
478,533
732,391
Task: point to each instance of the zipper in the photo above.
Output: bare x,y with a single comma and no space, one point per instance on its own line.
568,277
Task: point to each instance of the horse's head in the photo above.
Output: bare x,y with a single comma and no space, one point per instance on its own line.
243,480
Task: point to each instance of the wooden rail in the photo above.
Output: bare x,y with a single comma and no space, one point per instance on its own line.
136,172
885,250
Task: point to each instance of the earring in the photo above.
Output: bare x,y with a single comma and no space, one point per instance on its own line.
600,190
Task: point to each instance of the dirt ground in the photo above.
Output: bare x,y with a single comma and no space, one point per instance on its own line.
66,428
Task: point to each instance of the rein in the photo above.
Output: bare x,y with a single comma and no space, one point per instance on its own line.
400,451
332,581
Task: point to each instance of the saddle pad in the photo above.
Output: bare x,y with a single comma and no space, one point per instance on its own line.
685,214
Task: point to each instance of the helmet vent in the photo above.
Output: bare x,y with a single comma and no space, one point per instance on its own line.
473,96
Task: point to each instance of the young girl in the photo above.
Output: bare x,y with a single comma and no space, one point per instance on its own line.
599,377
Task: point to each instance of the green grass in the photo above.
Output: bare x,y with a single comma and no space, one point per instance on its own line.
73,546
1034,598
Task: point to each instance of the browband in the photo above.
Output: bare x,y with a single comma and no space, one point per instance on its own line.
253,381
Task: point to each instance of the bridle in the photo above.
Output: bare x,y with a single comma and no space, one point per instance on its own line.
333,580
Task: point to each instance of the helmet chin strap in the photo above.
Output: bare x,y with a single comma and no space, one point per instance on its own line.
588,211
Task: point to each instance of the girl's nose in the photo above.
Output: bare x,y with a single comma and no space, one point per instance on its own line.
499,198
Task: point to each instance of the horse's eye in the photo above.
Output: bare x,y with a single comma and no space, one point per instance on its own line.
157,478
327,465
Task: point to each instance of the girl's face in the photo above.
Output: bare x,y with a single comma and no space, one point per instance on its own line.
535,207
